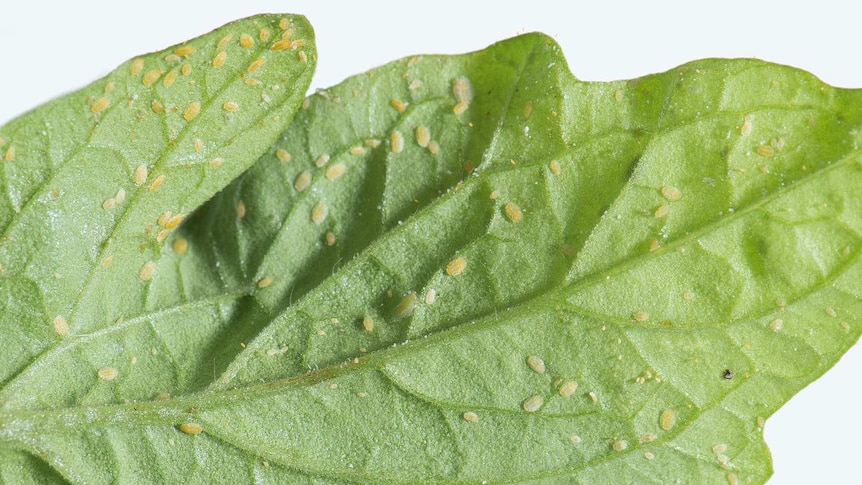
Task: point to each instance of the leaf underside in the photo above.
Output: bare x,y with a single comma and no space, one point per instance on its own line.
449,269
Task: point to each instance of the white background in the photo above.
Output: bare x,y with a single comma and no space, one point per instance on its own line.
49,48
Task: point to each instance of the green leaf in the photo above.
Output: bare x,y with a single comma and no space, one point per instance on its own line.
552,289
92,185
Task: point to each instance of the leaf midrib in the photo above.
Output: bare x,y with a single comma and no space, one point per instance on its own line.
381,357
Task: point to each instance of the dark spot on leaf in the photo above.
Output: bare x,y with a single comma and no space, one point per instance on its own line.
631,168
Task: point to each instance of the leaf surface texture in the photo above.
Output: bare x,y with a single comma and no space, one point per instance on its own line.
449,269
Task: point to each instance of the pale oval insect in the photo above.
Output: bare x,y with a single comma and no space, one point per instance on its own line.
513,212
335,171
671,193
396,142
456,267
264,282
136,67
174,221
240,209
219,59
745,130
162,235
192,111
533,403
156,183
319,212
640,316
61,326
568,388
666,420
184,51
462,89
170,77
303,180
180,245
433,147
224,41
108,373
283,155
163,218
100,105
230,106
423,136
246,40
536,364
257,64
368,323
191,428
150,77
555,167
147,271
399,105
766,150
471,417
407,305
620,445
281,45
